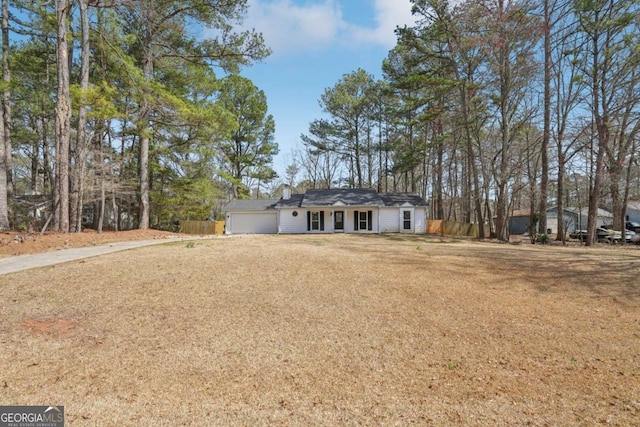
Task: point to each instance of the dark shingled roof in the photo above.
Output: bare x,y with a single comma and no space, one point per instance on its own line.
399,199
348,197
322,198
253,205
293,202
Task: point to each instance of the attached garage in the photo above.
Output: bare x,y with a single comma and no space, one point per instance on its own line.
252,223
251,217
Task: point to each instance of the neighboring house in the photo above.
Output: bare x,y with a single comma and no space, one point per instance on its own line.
35,206
633,211
569,218
520,219
329,211
603,217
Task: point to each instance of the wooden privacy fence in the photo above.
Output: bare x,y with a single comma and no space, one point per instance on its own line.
202,227
453,228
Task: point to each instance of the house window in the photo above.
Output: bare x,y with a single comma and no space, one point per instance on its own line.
315,221
363,220
406,220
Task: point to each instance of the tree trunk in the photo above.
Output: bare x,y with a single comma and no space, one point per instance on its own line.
369,158
561,236
103,204
602,132
81,142
546,133
477,197
63,118
114,206
358,160
594,196
144,143
35,164
502,226
6,101
4,206
627,189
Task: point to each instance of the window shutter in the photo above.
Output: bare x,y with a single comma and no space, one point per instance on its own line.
308,220
321,220
370,220
355,221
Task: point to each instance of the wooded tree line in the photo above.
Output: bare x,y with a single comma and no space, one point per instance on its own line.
114,107
486,106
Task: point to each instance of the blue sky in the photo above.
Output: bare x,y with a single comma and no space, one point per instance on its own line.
314,43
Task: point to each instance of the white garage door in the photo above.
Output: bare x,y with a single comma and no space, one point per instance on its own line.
258,223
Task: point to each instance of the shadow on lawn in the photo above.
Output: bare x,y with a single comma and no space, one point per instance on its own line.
603,272
556,269
600,271
417,238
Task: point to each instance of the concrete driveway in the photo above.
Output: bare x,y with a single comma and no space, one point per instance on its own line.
25,262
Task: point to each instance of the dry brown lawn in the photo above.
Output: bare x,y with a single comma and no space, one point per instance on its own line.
16,243
337,330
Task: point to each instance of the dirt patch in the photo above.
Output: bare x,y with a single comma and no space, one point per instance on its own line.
14,243
50,327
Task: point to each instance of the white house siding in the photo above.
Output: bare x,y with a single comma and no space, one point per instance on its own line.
420,220
289,224
252,223
384,220
552,224
391,220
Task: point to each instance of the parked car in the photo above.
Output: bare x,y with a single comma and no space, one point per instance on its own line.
615,236
602,235
605,235
633,226
629,225
608,236
578,234
630,234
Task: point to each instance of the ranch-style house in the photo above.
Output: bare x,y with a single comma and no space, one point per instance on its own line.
328,211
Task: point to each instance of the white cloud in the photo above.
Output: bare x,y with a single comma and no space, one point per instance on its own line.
389,14
289,27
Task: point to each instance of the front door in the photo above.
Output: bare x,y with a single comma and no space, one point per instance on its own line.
338,221
406,225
